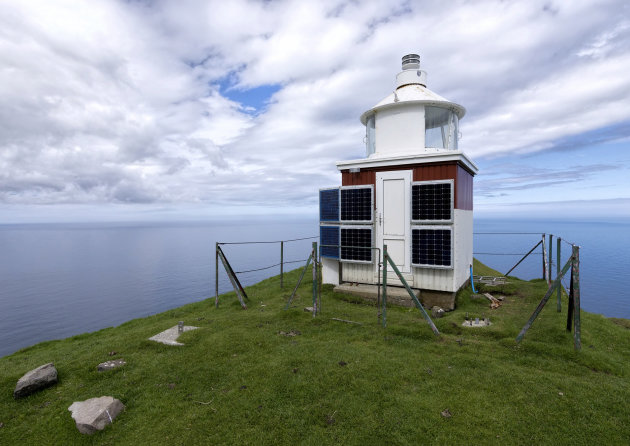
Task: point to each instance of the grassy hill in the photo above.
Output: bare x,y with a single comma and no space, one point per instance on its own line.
239,380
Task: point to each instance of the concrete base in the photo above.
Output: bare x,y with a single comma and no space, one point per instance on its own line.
400,296
169,336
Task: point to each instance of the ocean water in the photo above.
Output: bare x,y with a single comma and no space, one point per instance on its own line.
61,280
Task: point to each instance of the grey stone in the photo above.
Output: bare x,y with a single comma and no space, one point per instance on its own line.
108,365
96,413
37,379
437,312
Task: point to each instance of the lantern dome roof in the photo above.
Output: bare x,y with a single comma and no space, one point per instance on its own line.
411,89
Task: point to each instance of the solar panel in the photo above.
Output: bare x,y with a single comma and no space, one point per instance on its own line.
356,244
329,204
432,201
329,240
357,204
431,246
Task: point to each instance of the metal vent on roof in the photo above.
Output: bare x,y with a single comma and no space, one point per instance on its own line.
411,62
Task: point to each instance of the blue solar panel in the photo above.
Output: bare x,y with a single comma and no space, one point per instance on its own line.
329,241
356,204
431,246
329,204
356,243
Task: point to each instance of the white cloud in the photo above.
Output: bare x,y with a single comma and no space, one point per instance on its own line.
119,102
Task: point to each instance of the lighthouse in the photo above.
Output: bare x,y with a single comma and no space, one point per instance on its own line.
413,192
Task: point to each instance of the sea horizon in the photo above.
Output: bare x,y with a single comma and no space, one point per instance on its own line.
61,279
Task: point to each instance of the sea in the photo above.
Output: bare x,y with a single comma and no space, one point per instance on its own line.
60,280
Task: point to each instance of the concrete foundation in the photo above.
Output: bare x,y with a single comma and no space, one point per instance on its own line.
400,296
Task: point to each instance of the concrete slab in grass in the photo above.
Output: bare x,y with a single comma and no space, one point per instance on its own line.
169,337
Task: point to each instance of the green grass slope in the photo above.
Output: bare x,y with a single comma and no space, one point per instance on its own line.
239,381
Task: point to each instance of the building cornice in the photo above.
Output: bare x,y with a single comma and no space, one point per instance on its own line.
409,159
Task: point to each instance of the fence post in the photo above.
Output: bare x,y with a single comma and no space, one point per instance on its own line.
282,264
558,244
544,258
550,259
216,275
384,310
314,278
575,269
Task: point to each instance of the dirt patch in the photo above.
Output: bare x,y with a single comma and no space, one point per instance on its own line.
625,323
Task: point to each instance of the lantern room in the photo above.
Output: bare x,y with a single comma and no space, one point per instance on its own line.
412,192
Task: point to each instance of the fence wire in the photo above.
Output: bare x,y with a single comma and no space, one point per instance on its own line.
273,241
269,267
504,254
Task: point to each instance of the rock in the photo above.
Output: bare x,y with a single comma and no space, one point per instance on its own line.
37,379
446,413
108,365
437,312
96,413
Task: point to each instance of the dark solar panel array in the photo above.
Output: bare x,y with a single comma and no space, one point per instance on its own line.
329,235
329,205
356,244
431,202
356,204
431,247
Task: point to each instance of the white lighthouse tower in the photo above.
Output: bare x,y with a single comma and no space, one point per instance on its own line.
413,192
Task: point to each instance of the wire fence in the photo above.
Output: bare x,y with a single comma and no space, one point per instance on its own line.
549,261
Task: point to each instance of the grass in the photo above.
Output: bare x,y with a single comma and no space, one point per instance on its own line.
238,381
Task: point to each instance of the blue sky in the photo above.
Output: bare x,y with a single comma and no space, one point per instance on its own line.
115,110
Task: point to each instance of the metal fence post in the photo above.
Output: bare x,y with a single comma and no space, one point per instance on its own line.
282,264
558,244
384,310
544,258
314,278
216,275
550,259
575,269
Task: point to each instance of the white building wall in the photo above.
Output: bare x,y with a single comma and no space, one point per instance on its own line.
400,129
357,272
330,271
463,227
438,279
433,278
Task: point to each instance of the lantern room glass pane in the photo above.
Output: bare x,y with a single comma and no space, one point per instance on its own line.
441,128
370,135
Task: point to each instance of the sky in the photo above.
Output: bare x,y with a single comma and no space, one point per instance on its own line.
193,110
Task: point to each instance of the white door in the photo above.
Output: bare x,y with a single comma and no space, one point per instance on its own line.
393,207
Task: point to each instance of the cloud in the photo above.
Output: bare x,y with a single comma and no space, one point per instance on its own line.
511,177
106,102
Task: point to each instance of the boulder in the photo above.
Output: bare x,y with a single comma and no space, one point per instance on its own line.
108,365
437,312
37,379
96,413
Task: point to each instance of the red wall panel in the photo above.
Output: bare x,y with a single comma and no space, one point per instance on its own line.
462,179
